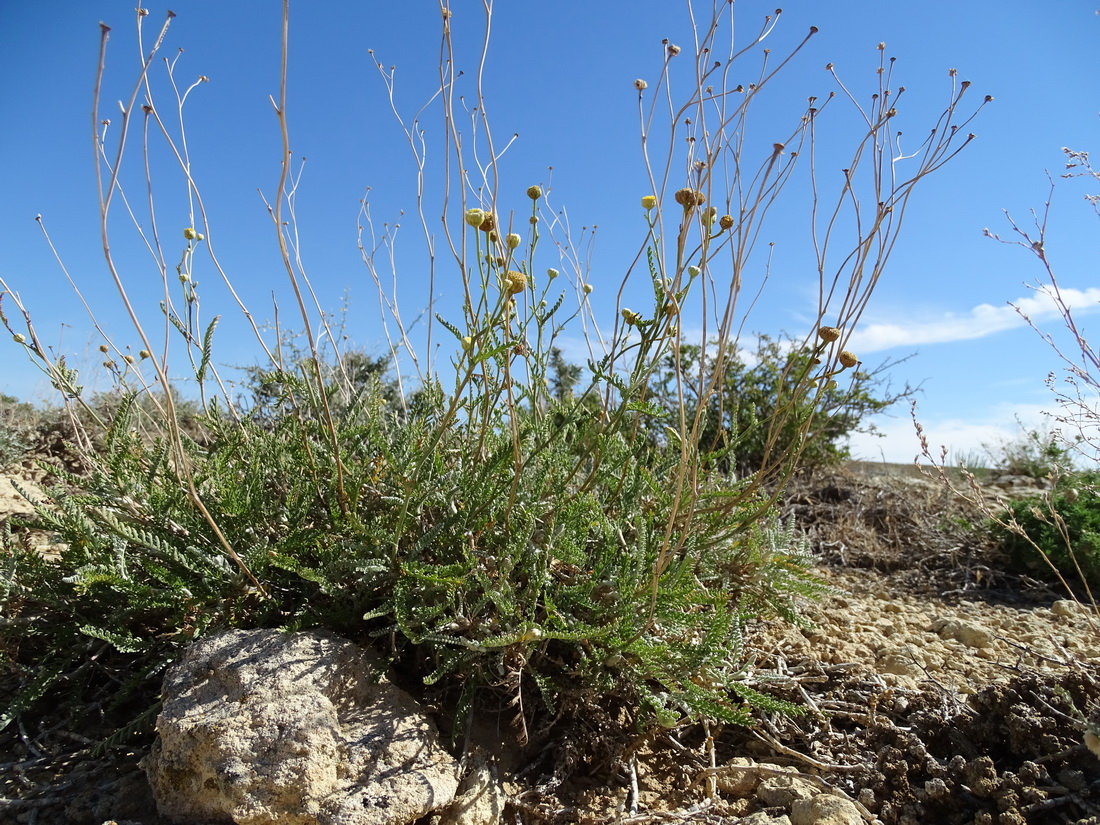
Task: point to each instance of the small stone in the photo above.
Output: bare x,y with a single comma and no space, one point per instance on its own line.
825,809
741,780
782,791
969,634
1067,608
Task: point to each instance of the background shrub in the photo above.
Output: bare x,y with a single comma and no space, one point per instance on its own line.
1063,526
766,404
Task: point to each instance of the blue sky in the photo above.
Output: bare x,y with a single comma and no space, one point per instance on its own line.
560,76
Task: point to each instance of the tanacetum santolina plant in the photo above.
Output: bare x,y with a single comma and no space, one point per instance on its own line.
500,521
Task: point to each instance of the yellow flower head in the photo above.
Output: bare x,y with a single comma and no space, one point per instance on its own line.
648,202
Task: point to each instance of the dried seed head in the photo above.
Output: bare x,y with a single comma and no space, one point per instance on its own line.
534,192
673,50
828,334
726,221
488,223
630,316
129,359
104,349
690,198
514,282
640,85
145,354
190,234
848,359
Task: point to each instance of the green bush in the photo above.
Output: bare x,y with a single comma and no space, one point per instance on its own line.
537,581
1063,527
1036,453
773,402
503,521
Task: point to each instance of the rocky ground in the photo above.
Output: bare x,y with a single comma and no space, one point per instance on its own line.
938,689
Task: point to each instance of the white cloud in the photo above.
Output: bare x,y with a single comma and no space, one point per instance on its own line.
963,437
979,322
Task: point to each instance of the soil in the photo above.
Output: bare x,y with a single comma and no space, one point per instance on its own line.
937,688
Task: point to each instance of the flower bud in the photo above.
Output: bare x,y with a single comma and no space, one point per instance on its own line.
19,338
551,274
475,217
467,343
848,359
190,234
828,334
145,354
534,192
693,271
587,289
648,202
512,240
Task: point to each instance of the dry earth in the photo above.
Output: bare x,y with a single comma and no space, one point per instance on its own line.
938,690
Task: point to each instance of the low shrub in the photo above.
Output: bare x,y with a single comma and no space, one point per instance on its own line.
504,521
1060,530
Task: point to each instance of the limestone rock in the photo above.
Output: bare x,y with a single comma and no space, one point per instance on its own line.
970,634
263,727
782,791
825,809
480,800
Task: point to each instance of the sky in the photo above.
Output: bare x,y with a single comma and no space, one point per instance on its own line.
561,77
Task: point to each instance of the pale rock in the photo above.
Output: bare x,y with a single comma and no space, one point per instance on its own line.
761,818
480,800
263,727
900,661
741,779
1068,608
782,791
825,809
969,634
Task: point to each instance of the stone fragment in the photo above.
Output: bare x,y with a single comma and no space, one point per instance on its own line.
1068,608
740,779
782,791
761,818
971,635
480,800
825,809
262,727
